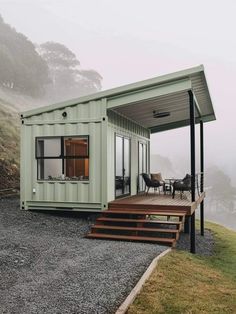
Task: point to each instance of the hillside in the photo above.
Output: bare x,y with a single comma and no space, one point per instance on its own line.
187,283
9,145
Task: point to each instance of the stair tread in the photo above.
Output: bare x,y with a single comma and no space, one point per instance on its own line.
138,220
143,212
133,238
135,229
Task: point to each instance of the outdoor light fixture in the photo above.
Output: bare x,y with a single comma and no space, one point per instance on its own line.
158,114
64,114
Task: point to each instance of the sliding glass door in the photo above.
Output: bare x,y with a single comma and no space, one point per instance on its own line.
142,165
122,166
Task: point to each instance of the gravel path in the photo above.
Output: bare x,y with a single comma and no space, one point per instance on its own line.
46,266
204,245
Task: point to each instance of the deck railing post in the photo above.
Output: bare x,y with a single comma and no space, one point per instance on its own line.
202,176
193,170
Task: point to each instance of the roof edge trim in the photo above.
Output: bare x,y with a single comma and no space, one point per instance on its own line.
117,91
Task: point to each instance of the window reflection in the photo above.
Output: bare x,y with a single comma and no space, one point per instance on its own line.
50,147
76,146
63,158
49,169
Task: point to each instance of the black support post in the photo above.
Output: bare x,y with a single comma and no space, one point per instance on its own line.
186,225
202,176
193,170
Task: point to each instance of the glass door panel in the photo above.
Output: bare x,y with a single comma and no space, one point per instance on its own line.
142,165
122,164
119,166
126,166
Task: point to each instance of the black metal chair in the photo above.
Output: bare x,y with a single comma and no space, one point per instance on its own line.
182,185
150,183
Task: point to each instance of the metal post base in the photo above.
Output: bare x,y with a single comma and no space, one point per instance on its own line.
192,235
202,218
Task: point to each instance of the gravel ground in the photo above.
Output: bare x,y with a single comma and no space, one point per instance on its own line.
204,245
48,267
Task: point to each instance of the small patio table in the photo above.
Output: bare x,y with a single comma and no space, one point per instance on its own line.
168,184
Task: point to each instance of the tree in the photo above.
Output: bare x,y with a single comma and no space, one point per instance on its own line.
162,164
92,79
67,78
61,61
21,67
221,195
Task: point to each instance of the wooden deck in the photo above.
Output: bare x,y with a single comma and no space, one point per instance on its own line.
159,202
149,218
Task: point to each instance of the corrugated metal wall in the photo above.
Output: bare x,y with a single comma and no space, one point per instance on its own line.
118,124
126,124
82,119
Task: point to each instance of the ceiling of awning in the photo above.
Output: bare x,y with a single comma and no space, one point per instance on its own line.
174,102
142,112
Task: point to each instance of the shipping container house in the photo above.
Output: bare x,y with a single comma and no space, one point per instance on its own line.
84,153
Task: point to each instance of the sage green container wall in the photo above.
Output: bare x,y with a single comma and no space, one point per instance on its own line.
117,124
82,119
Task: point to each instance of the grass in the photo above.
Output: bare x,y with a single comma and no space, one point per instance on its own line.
9,134
186,283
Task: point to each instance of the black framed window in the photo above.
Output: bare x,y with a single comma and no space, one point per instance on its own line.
62,158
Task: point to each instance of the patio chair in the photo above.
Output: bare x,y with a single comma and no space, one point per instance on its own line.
150,183
158,177
182,185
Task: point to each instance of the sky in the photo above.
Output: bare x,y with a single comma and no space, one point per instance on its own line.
132,40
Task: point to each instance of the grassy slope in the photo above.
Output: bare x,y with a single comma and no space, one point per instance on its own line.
186,283
9,133
9,145
11,103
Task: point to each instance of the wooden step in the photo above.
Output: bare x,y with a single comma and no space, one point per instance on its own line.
166,241
103,227
108,219
142,212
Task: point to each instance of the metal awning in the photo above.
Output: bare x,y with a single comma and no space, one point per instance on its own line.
168,94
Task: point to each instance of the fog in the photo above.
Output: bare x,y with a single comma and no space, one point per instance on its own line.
128,41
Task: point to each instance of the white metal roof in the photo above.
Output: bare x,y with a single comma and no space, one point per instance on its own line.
137,101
